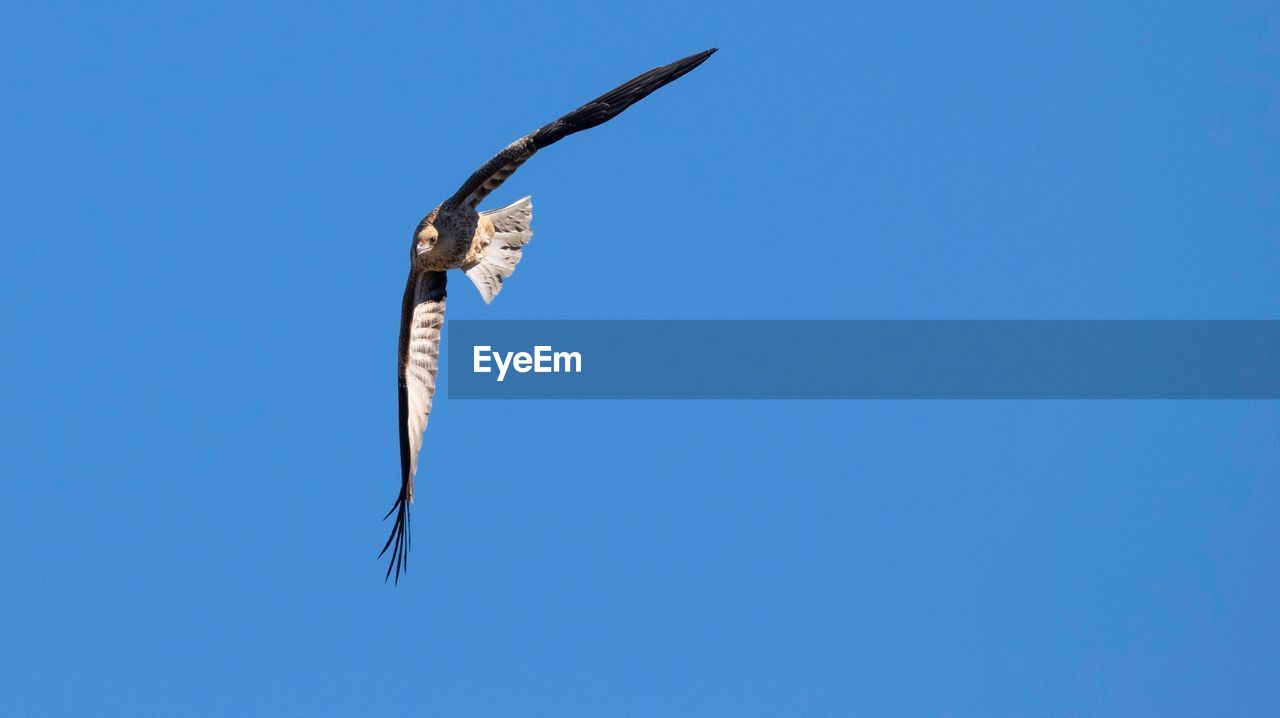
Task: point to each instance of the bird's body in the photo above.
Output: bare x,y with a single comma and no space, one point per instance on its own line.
486,246
444,239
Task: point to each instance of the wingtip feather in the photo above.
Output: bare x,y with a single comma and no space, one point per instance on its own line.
613,103
401,539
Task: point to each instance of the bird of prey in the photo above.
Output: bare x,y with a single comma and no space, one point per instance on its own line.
486,246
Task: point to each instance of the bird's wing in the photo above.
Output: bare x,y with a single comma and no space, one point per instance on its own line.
421,318
602,109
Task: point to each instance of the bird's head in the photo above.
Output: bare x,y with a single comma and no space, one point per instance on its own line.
426,237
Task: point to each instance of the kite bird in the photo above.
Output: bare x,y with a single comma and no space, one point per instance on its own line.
486,246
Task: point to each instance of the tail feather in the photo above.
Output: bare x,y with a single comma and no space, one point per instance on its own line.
499,259
612,103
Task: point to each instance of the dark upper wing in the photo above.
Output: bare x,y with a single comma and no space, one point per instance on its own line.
421,318
493,173
600,110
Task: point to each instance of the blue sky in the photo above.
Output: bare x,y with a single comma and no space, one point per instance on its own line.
206,212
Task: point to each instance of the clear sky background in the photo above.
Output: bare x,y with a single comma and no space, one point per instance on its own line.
206,212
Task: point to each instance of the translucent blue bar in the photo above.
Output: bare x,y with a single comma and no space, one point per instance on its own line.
927,359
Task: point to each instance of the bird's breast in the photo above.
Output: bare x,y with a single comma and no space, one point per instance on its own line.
479,241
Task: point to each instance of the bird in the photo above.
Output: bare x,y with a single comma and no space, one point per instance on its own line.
486,246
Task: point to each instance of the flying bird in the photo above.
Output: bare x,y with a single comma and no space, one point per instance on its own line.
486,246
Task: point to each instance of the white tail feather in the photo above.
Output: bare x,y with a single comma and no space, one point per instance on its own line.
499,260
